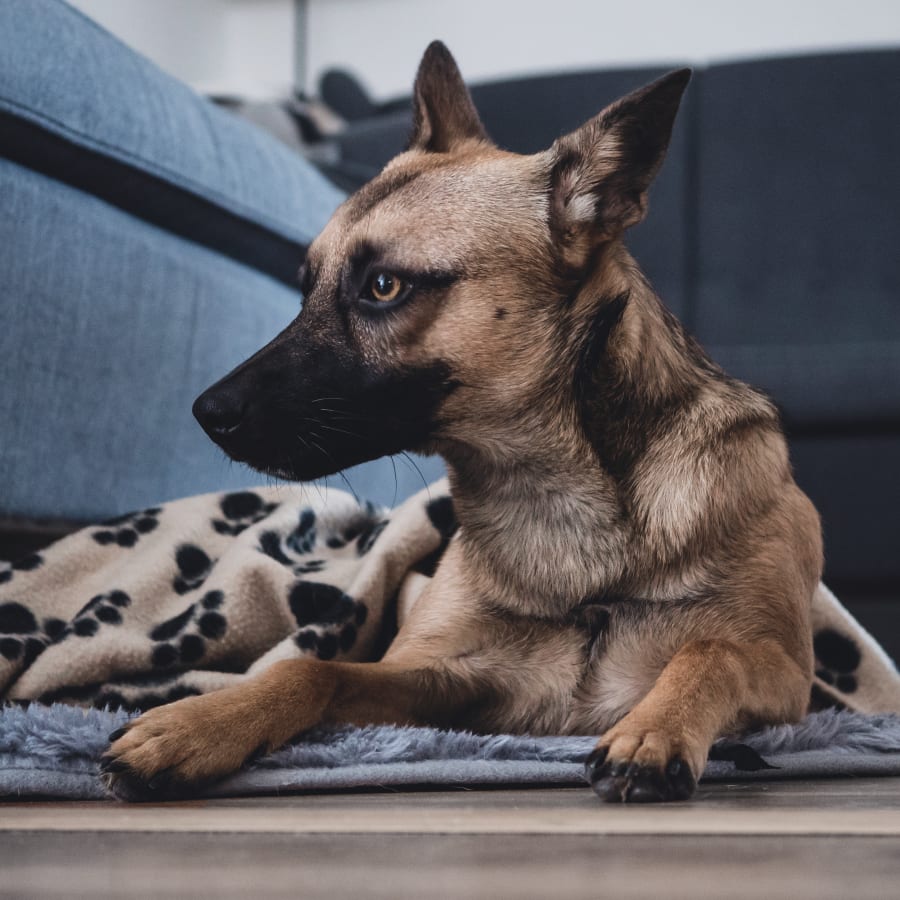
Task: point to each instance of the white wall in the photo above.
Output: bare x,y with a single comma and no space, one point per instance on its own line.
383,39
218,46
246,46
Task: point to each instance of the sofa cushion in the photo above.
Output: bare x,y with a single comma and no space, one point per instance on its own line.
798,225
81,107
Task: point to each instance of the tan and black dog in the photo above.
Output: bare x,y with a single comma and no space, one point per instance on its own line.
634,558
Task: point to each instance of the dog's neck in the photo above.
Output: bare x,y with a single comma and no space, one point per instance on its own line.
545,502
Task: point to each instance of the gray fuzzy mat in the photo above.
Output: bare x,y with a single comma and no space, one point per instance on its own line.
52,751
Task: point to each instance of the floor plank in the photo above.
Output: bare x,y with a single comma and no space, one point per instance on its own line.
814,839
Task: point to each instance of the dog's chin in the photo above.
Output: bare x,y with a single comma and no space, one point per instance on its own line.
294,471
307,458
310,467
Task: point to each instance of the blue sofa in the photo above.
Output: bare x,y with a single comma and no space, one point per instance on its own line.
149,242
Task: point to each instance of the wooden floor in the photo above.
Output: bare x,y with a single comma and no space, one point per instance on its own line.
796,840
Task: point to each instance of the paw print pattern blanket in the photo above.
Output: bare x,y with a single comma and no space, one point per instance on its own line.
200,593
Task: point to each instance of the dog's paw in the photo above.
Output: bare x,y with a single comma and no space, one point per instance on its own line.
636,766
624,782
172,751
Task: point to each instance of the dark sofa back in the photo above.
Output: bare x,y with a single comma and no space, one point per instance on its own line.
798,230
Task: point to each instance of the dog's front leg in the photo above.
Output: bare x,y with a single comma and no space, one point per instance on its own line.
658,750
171,750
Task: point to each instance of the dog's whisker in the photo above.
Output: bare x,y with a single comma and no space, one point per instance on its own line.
352,434
340,472
350,486
396,484
412,462
339,412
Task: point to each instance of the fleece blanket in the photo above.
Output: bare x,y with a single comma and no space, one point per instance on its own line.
203,592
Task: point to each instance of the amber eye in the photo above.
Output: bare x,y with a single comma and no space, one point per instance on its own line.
385,287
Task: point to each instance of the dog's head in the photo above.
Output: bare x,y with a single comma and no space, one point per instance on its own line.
435,296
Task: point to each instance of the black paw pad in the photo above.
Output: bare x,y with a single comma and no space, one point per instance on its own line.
241,509
837,658
443,517
622,782
194,567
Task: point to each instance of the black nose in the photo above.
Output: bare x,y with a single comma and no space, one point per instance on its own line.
219,412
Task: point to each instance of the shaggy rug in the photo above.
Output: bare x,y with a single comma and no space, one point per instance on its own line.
52,751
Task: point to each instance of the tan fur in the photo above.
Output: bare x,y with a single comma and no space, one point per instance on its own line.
647,487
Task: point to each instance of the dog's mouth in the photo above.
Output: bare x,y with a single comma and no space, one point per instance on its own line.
307,443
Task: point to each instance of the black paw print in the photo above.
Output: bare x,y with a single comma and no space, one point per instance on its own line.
241,510
194,567
26,564
126,530
329,609
443,517
364,528
837,658
288,549
104,609
189,648
20,637
366,540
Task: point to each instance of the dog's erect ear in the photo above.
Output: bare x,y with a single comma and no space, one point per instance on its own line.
599,174
443,113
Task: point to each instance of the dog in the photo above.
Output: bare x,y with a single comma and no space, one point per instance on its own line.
634,559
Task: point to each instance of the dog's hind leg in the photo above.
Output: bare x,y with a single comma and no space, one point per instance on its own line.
173,749
658,750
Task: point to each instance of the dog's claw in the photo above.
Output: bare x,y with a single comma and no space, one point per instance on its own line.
125,783
594,761
109,765
115,735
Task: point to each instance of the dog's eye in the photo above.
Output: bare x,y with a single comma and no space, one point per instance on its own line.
384,287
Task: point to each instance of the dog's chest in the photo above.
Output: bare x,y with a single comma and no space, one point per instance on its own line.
577,676
544,554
